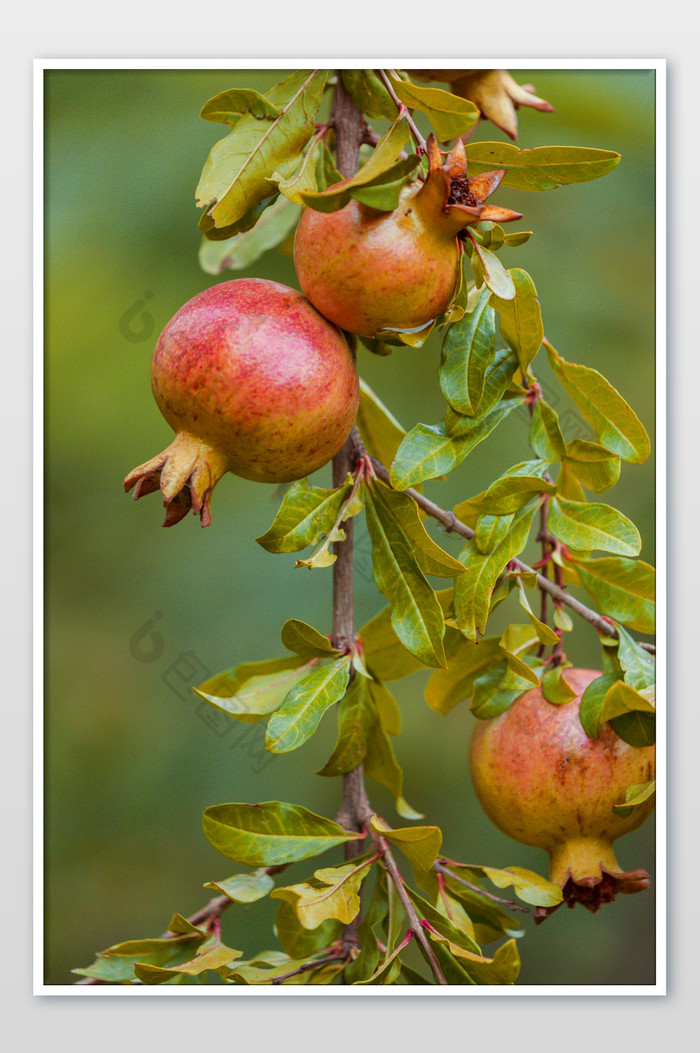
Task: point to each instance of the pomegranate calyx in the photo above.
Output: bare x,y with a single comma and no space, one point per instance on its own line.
186,472
456,200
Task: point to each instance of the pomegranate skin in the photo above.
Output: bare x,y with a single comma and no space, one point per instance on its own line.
543,782
370,271
254,381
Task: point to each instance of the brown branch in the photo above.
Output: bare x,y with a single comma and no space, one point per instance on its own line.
420,141
329,958
350,130
558,593
411,913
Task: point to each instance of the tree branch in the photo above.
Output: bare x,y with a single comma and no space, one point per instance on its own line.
350,129
558,593
411,913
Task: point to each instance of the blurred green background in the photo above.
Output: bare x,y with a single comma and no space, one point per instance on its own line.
136,614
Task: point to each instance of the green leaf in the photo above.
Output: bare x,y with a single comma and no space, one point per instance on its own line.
382,167
364,965
417,616
488,270
236,174
305,179
379,430
429,451
555,687
299,715
543,168
503,968
543,632
518,237
300,943
595,466
448,114
516,642
381,765
621,698
510,493
215,959
335,895
253,690
446,688
387,707
385,655
498,377
489,921
244,888
592,701
624,589
369,93
443,925
546,438
490,530
521,318
634,796
615,424
467,352
430,557
242,250
306,641
587,527
474,588
356,718
420,844
496,690
636,728
305,516
638,664
228,106
528,886
116,963
271,833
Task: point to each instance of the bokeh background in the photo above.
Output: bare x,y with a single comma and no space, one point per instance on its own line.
136,614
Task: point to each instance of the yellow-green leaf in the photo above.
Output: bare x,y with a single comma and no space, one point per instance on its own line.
615,424
271,833
543,168
420,844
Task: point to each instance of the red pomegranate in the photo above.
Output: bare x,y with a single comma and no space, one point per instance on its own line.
254,381
544,782
375,272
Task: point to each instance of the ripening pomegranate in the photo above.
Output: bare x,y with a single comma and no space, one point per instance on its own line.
372,272
543,782
254,381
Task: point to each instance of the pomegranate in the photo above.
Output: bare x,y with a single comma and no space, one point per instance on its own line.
374,273
254,381
542,781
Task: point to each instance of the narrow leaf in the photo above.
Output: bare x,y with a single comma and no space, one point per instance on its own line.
521,318
543,168
615,424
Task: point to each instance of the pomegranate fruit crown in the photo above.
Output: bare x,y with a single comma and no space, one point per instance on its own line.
459,198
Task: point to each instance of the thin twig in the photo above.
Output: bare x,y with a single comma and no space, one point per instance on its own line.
338,959
440,870
420,141
557,592
413,920
210,913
